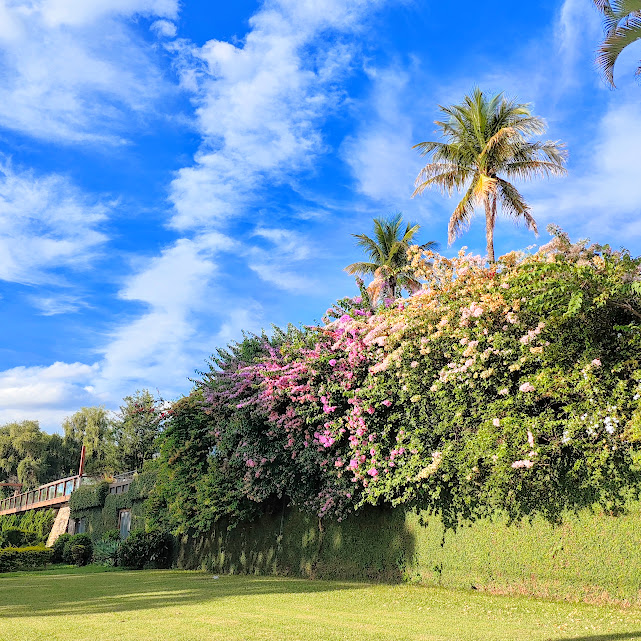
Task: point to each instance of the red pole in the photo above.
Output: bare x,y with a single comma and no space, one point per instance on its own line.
82,461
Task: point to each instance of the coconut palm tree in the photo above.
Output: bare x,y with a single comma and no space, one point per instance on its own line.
622,24
485,147
388,263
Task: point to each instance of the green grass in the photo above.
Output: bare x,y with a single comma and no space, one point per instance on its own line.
178,605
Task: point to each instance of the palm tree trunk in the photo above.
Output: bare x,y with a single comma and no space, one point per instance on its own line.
489,229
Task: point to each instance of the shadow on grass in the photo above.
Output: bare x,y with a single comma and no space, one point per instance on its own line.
87,594
618,636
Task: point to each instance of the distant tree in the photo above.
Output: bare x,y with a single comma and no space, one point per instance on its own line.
388,262
485,147
136,429
92,427
622,25
32,457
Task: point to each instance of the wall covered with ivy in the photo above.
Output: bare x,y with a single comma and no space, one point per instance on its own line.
592,556
100,509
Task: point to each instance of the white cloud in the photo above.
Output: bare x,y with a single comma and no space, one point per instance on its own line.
259,105
45,223
578,31
602,194
162,346
380,154
45,393
72,69
60,304
245,319
81,12
164,28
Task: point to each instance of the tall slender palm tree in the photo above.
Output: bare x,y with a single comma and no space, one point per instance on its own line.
388,262
485,147
622,24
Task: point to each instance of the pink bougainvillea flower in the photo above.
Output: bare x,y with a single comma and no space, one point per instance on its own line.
372,472
387,403
496,422
596,362
527,464
526,387
332,362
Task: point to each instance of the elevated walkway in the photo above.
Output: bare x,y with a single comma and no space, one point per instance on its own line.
54,494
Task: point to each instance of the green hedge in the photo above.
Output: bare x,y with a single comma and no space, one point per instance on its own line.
29,558
592,556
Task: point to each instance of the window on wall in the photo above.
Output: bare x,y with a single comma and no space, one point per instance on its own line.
124,523
81,526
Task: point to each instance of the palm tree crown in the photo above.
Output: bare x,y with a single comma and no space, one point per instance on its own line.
388,262
485,147
622,24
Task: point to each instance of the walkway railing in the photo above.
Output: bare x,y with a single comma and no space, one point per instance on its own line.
52,493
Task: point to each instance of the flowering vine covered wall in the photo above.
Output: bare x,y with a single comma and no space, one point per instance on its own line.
513,386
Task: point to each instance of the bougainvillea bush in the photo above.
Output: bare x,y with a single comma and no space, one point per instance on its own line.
513,386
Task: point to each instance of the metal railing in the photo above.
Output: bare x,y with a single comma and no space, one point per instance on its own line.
49,494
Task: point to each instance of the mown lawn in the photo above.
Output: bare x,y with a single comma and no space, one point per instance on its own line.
174,605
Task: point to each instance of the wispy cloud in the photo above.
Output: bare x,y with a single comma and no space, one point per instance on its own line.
60,304
72,69
46,223
259,106
380,153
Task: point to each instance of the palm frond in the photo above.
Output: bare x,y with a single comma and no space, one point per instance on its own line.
361,269
513,204
447,177
462,216
622,26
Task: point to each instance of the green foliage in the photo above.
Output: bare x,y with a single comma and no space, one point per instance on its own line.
111,535
33,457
136,429
100,509
38,522
513,388
106,552
193,488
388,262
78,550
17,538
592,556
58,548
24,558
89,496
92,427
147,549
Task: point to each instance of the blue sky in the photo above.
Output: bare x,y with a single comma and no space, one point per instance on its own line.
172,173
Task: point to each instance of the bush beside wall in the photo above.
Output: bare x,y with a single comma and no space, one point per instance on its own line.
592,556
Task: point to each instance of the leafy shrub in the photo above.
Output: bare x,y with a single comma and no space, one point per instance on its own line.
106,552
147,549
78,550
15,537
25,558
59,547
111,535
